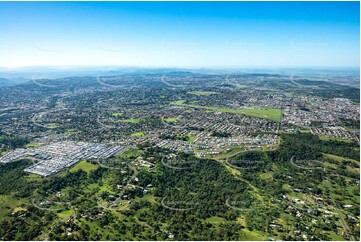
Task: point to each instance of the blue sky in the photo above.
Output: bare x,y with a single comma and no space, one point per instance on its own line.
180,34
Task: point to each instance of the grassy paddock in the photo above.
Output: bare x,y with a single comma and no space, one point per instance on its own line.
137,134
273,114
117,114
170,120
132,120
85,166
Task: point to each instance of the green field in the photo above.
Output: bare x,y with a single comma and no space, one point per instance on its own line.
179,102
71,131
53,125
116,114
269,113
130,154
202,93
132,120
216,220
65,213
266,176
85,166
229,154
339,158
253,235
137,134
32,145
32,177
170,120
240,86
191,137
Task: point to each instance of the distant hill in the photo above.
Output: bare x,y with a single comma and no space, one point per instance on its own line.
6,82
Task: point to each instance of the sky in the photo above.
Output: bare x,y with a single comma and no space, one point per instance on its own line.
180,34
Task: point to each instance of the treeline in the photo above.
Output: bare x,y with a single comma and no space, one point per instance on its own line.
351,123
8,142
12,179
309,146
71,179
350,92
